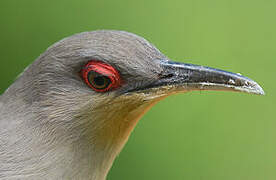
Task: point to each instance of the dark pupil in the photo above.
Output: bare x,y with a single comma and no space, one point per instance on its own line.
98,81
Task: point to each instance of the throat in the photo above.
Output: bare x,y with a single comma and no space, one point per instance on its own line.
106,137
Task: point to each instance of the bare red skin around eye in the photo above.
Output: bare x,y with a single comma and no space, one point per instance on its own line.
104,69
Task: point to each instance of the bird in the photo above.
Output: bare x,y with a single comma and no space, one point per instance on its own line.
70,112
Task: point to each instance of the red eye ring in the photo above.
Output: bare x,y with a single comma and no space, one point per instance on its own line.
101,77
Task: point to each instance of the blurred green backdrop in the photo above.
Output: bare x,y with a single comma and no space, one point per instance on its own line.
194,136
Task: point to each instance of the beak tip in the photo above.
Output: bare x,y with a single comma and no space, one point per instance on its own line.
255,88
259,89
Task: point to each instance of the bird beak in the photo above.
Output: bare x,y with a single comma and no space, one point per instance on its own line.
183,77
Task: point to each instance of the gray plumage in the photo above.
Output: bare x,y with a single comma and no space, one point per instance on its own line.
53,126
45,132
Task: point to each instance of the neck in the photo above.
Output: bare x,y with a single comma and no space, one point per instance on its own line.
68,143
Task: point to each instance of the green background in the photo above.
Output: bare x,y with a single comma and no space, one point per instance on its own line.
193,136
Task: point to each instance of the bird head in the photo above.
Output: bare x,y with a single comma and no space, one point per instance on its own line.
92,88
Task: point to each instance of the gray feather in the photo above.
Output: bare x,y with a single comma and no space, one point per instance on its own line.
50,120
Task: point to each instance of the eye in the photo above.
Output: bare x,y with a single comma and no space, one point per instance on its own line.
100,77
98,81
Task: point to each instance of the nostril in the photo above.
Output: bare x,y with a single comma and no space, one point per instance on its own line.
165,76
